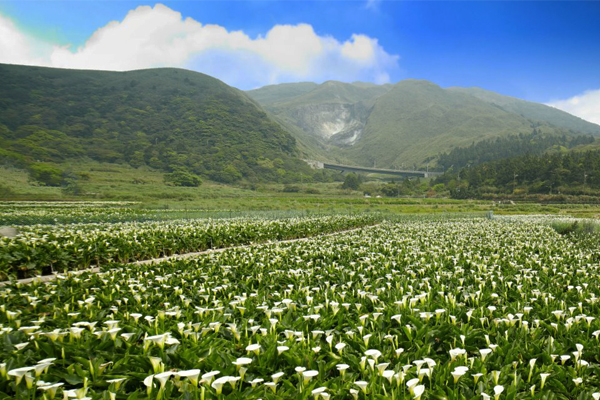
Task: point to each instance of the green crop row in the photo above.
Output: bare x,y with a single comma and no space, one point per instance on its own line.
45,249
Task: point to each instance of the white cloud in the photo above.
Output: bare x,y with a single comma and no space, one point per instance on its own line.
585,105
18,48
159,37
361,48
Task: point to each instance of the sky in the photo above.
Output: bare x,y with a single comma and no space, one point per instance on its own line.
547,52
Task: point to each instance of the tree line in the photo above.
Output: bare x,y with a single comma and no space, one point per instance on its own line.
489,150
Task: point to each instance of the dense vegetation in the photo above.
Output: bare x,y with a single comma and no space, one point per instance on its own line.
505,147
45,249
170,119
569,173
421,310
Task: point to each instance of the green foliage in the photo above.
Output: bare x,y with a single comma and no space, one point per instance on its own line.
352,182
505,147
291,189
407,187
576,227
573,172
8,157
41,144
46,174
182,177
163,118
229,174
5,191
73,188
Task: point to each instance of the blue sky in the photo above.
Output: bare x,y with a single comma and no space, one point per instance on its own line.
539,51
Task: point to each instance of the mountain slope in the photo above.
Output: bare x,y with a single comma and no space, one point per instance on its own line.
165,118
323,116
332,92
418,119
534,111
270,94
407,124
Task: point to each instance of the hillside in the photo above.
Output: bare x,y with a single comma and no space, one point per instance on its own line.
322,117
535,143
417,120
270,94
407,124
167,119
533,111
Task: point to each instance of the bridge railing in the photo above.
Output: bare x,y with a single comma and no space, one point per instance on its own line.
349,168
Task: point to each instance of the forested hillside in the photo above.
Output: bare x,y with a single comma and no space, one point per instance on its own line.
509,146
169,119
568,172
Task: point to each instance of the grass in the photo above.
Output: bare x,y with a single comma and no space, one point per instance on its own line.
146,186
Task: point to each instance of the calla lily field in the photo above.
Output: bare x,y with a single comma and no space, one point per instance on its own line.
39,249
454,308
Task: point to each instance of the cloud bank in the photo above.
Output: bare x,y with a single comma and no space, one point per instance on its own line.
158,36
585,105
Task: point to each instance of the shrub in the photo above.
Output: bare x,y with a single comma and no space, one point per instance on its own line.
577,227
46,174
351,182
291,189
183,178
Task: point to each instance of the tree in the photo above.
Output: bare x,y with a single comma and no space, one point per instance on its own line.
351,182
46,174
181,177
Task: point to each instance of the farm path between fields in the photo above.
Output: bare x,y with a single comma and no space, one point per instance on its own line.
177,257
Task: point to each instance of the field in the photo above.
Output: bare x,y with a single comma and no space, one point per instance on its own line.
45,249
145,189
411,307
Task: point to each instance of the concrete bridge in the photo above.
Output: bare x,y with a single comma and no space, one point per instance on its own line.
367,170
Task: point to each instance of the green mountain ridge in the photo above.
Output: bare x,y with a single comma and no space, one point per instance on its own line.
406,124
417,120
274,93
169,119
176,120
531,110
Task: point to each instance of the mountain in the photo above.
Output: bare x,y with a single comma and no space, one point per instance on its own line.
274,93
323,117
533,111
169,119
407,124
